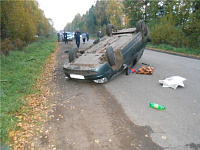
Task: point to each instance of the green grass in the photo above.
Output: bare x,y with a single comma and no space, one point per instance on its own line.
184,50
19,71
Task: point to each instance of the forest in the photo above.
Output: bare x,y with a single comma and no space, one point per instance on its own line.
172,22
21,23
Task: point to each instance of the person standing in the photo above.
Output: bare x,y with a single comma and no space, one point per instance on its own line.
58,34
65,37
84,37
77,37
99,34
87,35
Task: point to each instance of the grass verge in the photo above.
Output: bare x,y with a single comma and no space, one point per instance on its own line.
183,50
19,72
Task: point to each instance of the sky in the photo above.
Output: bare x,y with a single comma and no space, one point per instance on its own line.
64,11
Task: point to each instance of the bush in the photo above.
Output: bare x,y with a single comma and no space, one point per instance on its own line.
6,46
166,32
19,44
9,45
192,32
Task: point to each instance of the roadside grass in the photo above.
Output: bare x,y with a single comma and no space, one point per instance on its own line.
184,50
19,72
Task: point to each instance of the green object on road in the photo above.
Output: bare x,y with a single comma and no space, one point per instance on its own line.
157,106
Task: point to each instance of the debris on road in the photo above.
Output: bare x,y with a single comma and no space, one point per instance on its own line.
131,70
97,141
173,82
157,106
164,137
145,70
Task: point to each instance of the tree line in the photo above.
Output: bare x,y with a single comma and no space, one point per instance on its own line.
21,23
173,22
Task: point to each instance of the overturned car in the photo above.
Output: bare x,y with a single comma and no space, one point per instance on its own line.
107,58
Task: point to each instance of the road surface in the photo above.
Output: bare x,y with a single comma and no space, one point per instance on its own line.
117,116
177,127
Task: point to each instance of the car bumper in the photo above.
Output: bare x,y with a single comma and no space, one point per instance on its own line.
101,74
70,39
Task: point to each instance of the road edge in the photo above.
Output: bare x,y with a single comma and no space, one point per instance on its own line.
174,53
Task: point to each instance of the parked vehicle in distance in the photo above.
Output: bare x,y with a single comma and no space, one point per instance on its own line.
107,58
69,36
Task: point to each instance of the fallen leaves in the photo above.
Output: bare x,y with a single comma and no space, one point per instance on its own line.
11,133
35,109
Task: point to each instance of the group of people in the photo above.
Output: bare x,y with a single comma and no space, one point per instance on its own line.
77,35
64,37
85,36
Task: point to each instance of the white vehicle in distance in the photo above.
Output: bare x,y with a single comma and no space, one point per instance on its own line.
69,36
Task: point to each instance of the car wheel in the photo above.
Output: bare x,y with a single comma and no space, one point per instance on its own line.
109,29
73,54
141,27
111,56
96,41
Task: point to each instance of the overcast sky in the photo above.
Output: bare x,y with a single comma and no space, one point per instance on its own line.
64,11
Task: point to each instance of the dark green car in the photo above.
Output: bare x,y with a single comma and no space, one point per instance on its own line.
108,57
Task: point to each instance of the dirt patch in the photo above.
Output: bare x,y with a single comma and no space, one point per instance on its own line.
85,116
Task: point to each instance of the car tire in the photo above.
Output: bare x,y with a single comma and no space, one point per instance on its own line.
109,29
111,56
73,54
141,27
96,41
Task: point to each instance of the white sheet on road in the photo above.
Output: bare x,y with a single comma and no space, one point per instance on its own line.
173,82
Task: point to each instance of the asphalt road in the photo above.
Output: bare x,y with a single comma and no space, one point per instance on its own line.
119,110
177,127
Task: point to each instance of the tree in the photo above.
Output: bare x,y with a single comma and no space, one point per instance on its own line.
75,22
152,10
67,27
18,19
21,20
114,13
100,13
90,21
134,11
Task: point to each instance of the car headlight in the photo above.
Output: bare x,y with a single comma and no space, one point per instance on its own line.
102,80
